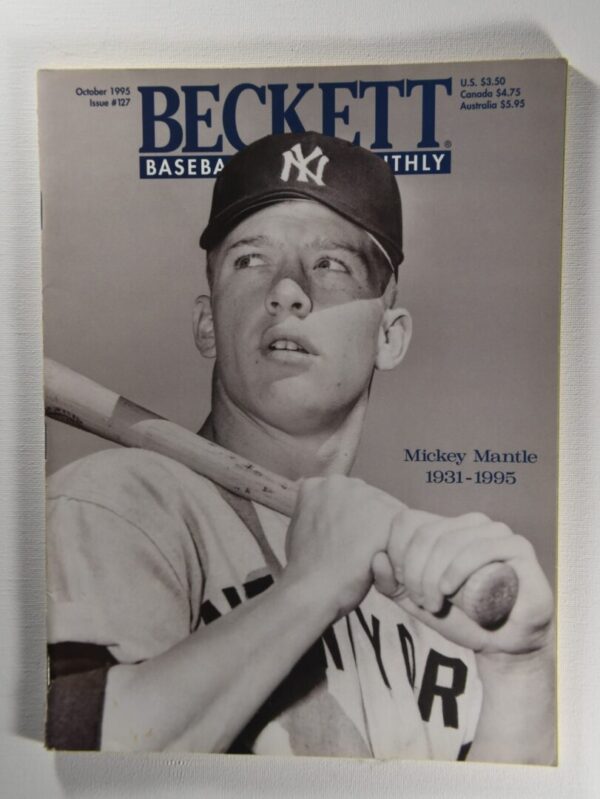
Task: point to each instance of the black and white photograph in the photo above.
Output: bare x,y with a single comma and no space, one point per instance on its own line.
301,339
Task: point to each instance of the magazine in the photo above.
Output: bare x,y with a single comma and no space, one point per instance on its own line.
329,295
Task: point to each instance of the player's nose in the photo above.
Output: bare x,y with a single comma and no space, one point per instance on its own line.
288,296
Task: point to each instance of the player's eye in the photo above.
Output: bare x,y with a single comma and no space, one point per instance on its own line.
248,260
330,264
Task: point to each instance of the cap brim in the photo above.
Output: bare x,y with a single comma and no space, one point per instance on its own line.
223,223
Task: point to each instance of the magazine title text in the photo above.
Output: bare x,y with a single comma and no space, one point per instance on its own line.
186,132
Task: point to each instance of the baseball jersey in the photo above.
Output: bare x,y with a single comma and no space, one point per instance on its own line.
142,552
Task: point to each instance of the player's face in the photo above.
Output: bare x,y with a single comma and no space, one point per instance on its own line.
297,313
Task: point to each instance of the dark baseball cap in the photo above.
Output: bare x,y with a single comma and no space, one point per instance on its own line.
350,180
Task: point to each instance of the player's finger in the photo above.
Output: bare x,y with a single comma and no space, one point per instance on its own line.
478,554
421,545
384,578
446,548
404,525
467,633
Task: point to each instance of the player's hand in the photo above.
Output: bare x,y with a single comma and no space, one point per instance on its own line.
338,525
429,557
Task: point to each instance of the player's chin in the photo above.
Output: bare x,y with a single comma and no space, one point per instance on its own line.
297,407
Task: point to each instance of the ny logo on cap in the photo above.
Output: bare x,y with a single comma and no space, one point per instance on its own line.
295,157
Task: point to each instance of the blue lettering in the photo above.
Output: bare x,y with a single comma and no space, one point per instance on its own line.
330,113
381,108
428,110
230,111
150,118
192,118
283,115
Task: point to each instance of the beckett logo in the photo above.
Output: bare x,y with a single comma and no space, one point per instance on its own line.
295,157
187,132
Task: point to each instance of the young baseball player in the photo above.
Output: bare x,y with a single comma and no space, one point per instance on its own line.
182,617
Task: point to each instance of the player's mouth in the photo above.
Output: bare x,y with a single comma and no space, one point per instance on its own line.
278,340
286,346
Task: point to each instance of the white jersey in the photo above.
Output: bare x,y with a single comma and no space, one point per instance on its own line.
142,552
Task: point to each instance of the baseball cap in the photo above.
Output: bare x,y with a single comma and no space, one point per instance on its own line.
350,180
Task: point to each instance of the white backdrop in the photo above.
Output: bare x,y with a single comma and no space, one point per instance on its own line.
66,33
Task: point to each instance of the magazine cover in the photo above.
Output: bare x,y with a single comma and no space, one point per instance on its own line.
301,331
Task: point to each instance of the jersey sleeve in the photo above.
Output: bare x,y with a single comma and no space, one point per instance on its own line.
75,700
120,578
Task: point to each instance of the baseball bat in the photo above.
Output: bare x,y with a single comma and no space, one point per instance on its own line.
487,596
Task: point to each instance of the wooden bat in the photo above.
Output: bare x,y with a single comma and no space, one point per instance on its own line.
487,596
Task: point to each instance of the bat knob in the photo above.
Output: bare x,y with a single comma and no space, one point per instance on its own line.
488,596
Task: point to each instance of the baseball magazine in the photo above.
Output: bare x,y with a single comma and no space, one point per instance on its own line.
329,295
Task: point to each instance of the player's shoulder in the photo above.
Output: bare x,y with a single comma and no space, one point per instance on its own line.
145,495
123,475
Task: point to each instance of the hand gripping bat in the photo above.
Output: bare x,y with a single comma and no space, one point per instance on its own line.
487,596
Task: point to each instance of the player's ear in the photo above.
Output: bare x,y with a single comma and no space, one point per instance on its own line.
204,331
394,337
